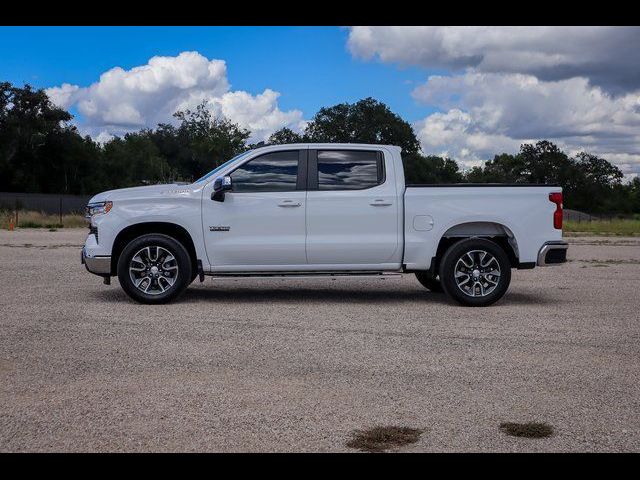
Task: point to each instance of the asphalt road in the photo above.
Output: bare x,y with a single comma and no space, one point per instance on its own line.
296,365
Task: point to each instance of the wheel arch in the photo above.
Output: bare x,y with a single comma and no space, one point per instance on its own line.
497,232
172,230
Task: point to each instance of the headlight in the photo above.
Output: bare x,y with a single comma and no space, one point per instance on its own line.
97,208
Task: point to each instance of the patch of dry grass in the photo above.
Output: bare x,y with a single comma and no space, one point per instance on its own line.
31,219
527,430
610,261
379,439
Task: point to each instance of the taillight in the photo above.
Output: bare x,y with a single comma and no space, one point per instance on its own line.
556,198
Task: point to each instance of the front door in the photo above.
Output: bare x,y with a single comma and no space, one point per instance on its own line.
260,225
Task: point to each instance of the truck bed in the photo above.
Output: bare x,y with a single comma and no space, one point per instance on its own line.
521,212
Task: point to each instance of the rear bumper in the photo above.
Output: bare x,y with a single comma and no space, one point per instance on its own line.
96,265
553,253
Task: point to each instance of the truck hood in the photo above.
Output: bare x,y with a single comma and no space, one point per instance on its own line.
148,191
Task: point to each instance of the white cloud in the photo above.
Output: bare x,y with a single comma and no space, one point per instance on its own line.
103,137
124,100
487,113
607,56
455,134
63,96
258,113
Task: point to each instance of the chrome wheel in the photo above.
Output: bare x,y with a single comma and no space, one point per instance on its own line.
477,273
153,270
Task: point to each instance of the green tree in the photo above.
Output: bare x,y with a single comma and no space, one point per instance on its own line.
200,142
285,135
633,195
39,150
430,169
133,160
366,121
589,183
596,187
504,168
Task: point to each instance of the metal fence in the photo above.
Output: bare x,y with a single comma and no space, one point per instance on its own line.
44,202
580,217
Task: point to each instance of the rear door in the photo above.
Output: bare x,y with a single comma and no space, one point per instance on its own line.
352,211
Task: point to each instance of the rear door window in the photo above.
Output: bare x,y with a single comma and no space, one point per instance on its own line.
349,169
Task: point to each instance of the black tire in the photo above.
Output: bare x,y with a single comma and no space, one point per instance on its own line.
486,292
181,260
429,282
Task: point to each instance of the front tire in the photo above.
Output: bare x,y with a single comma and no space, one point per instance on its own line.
154,269
475,272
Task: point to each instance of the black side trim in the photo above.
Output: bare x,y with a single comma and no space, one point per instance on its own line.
418,185
382,172
200,271
312,170
301,181
526,265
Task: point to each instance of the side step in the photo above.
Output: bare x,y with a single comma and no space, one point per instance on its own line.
381,275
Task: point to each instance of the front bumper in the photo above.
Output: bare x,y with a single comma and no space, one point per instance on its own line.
553,253
96,265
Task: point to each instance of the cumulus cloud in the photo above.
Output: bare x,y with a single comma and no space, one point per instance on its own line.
124,100
491,113
576,86
258,113
456,134
607,56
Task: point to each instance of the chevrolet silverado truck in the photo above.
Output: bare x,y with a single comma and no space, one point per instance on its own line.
322,209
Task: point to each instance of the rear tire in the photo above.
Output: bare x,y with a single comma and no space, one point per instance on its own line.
475,272
154,269
429,282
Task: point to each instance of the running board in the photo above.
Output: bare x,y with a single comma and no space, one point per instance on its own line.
381,275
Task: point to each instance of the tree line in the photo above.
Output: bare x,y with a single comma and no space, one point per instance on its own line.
41,151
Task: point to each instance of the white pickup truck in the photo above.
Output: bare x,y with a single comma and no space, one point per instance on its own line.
322,209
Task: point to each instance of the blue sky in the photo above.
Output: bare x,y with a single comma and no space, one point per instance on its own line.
468,92
310,66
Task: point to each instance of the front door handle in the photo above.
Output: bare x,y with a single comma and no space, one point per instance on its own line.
379,202
289,203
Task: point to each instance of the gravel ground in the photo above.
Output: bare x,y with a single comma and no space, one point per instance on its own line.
296,365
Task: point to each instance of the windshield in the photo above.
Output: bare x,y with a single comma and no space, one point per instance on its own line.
220,167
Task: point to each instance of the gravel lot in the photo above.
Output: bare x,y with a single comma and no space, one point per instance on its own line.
296,365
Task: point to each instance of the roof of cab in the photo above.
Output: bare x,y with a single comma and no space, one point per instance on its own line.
327,145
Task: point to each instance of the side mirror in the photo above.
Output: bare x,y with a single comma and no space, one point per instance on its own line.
220,186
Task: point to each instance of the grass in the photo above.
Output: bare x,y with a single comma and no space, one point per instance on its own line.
31,219
620,226
379,439
527,430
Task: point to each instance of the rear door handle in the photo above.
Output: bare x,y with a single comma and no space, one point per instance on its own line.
289,203
379,202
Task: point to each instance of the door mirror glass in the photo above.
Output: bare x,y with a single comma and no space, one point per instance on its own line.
220,186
